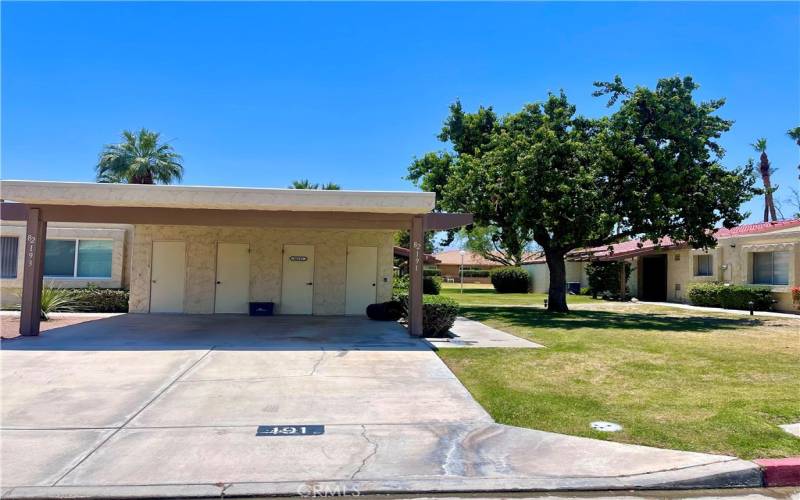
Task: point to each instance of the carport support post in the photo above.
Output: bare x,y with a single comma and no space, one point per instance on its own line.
36,234
415,273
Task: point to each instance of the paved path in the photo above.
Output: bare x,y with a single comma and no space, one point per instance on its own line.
158,405
469,333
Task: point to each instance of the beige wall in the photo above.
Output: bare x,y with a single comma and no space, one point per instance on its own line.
120,234
540,275
735,255
265,263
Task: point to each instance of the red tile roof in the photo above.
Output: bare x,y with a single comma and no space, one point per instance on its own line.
635,247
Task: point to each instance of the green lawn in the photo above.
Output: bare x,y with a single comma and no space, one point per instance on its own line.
487,296
672,378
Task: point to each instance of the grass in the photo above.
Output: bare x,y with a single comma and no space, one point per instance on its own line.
673,378
483,295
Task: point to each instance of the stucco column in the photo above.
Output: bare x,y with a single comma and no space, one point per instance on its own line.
36,234
415,261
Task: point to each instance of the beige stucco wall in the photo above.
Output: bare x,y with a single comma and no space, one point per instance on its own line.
266,245
733,264
120,234
540,275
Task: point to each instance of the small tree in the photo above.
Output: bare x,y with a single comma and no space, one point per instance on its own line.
604,278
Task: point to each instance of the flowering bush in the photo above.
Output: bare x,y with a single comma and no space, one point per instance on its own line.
796,296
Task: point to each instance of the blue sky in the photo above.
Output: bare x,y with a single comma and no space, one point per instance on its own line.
258,94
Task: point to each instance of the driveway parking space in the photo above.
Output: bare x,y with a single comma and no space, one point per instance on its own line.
169,406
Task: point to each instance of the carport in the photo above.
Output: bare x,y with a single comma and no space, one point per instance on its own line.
197,229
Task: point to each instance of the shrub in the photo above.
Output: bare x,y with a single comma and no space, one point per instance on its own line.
730,296
706,294
438,314
604,278
55,299
431,285
105,300
738,297
385,311
586,290
431,272
510,280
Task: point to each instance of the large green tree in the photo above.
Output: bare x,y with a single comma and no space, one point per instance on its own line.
651,169
469,135
141,158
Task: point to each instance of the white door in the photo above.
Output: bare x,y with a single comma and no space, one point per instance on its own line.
297,290
167,276
233,278
362,279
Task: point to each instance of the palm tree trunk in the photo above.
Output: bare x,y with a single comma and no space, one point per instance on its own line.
769,202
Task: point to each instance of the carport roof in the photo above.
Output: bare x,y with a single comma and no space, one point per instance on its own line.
221,198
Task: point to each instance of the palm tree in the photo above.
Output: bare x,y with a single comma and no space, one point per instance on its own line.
769,204
306,184
139,159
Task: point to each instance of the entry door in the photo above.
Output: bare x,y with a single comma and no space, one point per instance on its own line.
167,276
362,278
654,278
297,289
233,278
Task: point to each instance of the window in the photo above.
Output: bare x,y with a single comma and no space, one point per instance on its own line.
9,248
704,265
78,258
771,268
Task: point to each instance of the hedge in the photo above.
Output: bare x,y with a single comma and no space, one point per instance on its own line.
431,285
730,296
510,280
385,311
476,273
106,300
438,314
431,272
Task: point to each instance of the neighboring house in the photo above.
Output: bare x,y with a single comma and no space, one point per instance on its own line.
476,267
761,254
216,249
76,255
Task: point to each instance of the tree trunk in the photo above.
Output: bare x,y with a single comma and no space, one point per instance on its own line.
557,293
769,202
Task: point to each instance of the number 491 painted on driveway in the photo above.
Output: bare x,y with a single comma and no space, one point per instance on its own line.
290,430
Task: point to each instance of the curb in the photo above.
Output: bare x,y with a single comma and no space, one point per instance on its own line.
780,471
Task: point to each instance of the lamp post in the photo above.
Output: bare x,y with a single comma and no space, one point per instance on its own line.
462,253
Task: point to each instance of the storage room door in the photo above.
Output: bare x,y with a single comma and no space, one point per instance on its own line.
297,288
233,278
167,276
362,279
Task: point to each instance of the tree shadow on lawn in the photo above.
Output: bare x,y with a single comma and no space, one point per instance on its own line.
602,320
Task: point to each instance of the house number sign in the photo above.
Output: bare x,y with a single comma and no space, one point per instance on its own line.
31,253
290,430
298,258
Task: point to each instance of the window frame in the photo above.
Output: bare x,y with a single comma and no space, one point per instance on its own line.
710,265
771,268
15,260
75,276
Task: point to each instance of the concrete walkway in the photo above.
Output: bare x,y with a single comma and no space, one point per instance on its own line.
468,333
168,406
737,312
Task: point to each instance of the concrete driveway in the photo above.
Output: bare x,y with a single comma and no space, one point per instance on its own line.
162,405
